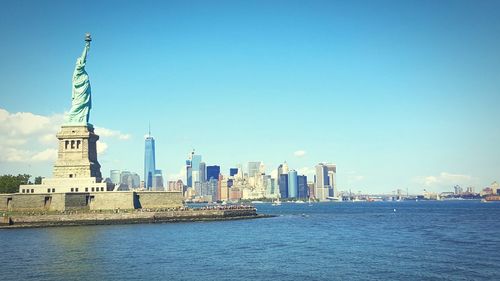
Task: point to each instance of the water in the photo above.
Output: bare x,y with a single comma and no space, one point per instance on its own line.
328,241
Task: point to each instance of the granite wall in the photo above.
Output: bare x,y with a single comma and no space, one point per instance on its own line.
158,200
90,201
29,202
112,200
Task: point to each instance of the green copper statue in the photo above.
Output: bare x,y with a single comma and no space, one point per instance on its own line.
81,99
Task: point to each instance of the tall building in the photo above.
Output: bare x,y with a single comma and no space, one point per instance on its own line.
224,189
233,172
322,186
269,185
292,184
189,170
280,172
213,189
195,168
332,181
136,180
302,191
262,168
157,181
321,175
114,175
203,172
285,168
283,185
149,161
213,172
253,168
129,181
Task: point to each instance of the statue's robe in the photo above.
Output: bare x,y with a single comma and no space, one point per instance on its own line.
81,100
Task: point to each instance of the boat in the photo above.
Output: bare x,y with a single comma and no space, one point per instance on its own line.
257,202
277,202
309,201
300,202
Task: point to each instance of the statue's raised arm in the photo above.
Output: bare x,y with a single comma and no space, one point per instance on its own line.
86,48
81,100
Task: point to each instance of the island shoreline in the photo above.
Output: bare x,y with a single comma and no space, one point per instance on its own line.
16,221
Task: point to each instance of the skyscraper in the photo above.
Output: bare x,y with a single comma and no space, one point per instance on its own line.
321,175
203,172
332,174
195,168
302,187
253,168
115,176
233,171
322,187
158,181
149,161
285,168
189,170
283,185
280,172
213,172
292,184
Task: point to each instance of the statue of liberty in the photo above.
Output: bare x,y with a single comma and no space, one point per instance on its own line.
81,102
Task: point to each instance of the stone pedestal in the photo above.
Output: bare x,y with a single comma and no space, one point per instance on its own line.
77,155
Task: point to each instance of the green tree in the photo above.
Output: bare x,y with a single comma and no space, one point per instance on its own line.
38,180
11,183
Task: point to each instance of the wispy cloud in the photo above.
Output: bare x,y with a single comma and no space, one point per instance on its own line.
353,177
103,132
299,153
445,179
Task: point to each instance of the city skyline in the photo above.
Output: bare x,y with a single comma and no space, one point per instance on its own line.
400,101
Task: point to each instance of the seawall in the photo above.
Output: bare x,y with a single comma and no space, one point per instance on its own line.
125,217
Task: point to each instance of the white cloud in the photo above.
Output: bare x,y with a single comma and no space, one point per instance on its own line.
444,179
26,124
49,154
48,139
10,154
28,137
103,132
307,171
299,153
101,147
25,136
179,176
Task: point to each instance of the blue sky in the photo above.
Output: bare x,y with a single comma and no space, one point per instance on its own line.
399,94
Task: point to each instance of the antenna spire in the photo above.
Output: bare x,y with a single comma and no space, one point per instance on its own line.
149,125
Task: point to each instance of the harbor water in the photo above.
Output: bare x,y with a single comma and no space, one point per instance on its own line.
426,240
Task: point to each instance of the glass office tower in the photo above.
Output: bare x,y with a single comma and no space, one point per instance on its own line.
292,184
213,172
149,162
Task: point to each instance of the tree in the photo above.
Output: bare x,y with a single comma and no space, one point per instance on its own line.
38,180
11,183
